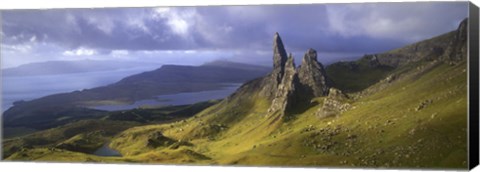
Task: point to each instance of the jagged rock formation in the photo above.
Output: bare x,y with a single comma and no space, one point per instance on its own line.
289,86
275,77
285,94
458,46
279,56
288,89
312,75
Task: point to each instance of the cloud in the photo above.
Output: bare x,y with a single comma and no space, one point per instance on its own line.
119,53
80,52
240,32
21,48
179,21
402,21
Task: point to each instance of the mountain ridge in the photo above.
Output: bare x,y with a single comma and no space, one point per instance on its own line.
169,79
70,67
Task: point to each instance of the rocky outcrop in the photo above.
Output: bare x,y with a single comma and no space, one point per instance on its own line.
457,49
286,92
334,104
279,56
273,80
450,47
289,86
312,75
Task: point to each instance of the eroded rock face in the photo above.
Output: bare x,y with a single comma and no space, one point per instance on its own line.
286,86
285,94
334,104
299,86
279,58
274,79
312,75
458,46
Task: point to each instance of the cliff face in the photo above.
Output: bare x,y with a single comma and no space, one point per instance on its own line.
287,85
458,46
272,81
355,76
287,89
449,47
312,75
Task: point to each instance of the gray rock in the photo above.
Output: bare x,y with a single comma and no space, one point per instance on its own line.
285,94
334,104
312,75
271,82
457,49
279,55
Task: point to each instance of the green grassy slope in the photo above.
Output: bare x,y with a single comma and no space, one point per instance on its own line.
384,128
86,136
355,76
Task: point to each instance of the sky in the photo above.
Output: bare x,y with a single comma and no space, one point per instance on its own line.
195,35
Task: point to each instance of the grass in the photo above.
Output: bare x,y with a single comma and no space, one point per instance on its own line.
384,128
70,134
16,131
355,76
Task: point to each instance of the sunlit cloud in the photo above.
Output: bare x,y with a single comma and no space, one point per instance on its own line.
179,20
80,52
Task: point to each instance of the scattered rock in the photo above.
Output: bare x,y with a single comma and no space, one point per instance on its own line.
351,136
433,115
309,128
412,131
391,78
424,104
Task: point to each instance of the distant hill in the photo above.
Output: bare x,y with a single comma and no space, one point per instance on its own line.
208,73
66,67
169,79
236,65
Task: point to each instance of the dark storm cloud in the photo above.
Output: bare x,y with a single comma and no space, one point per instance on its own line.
331,28
94,28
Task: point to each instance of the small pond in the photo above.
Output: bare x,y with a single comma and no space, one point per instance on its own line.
105,150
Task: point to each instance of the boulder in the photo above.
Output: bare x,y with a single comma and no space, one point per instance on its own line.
334,104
